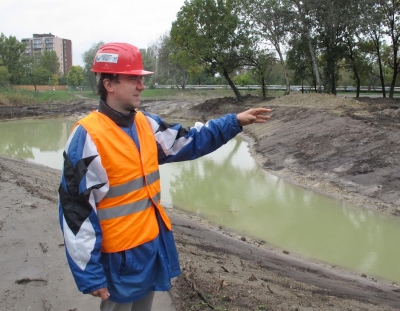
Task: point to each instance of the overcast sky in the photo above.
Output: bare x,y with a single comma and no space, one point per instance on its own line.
86,22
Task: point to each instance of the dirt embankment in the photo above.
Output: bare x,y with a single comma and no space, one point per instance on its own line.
341,147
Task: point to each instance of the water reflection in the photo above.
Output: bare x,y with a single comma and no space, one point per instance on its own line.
228,188
40,141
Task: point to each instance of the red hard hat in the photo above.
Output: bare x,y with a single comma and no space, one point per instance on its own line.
119,58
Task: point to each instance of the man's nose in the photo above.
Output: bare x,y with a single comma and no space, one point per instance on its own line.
140,85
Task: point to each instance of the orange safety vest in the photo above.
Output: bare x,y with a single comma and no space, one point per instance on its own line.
127,215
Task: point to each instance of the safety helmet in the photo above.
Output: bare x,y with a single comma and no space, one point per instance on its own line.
119,58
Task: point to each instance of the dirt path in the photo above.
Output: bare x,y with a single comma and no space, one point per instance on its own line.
339,147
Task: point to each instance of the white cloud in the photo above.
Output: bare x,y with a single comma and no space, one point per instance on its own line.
86,22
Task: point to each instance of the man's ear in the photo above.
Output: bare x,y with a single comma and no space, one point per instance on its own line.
108,85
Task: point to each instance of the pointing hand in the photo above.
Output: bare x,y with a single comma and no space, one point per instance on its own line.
254,115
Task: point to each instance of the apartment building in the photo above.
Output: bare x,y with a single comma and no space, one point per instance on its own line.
48,42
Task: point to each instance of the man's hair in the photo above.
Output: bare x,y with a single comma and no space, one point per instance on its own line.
101,90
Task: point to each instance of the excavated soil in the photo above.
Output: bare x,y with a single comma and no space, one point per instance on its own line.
341,147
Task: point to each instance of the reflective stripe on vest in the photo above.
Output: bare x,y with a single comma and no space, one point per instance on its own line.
127,216
132,185
130,208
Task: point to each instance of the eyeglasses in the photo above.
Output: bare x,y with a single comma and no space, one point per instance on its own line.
135,79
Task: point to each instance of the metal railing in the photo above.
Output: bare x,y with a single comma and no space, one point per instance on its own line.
276,87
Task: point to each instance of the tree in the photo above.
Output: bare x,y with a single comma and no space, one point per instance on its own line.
182,65
337,24
173,65
10,53
75,76
54,80
4,76
328,21
33,73
271,19
346,77
243,79
299,59
356,59
62,80
391,12
40,76
88,58
49,61
261,62
356,62
149,57
162,66
304,27
374,42
209,33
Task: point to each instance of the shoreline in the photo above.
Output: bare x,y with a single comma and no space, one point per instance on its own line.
218,268
310,177
208,256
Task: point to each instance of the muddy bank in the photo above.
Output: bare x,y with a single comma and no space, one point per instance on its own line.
340,147
219,270
345,148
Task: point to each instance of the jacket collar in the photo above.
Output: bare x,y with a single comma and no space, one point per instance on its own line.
121,119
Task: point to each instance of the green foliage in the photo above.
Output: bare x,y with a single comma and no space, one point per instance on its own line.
75,76
171,66
299,60
40,76
4,76
149,59
345,78
243,80
49,61
62,80
36,69
54,80
271,21
213,40
276,77
10,52
11,96
48,96
33,72
88,58
163,69
208,32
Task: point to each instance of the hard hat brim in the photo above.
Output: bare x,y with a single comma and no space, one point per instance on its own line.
132,72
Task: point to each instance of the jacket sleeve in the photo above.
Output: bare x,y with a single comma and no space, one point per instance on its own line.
83,183
176,143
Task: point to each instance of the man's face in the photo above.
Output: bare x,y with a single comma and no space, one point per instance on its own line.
126,92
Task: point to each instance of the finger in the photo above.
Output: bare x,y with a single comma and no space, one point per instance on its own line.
104,295
261,110
262,119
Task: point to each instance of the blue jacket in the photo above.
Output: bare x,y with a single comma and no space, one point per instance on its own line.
129,275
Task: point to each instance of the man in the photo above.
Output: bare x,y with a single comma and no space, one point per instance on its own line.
118,238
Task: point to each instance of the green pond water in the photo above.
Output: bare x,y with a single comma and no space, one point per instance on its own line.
230,190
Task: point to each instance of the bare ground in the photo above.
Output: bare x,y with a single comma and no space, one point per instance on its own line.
340,147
